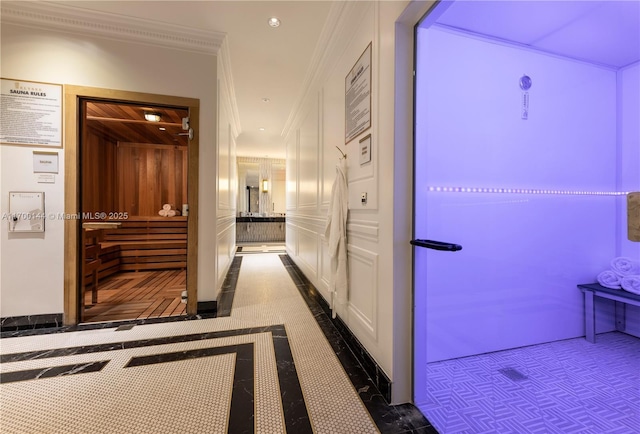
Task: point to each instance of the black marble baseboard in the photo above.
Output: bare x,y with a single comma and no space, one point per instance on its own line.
373,386
228,290
207,308
30,322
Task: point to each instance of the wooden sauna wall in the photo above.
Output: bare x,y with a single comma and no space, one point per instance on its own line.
99,192
149,176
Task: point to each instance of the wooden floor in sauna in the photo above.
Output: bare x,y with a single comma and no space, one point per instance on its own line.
138,295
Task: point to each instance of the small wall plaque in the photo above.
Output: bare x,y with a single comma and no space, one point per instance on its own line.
45,162
365,150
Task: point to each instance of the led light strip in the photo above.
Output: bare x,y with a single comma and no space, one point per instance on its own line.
525,191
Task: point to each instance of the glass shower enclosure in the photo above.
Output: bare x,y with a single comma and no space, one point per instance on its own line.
527,141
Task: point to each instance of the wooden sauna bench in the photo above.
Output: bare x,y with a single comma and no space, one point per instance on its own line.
144,243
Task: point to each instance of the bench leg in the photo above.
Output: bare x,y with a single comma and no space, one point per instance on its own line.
621,316
94,288
589,317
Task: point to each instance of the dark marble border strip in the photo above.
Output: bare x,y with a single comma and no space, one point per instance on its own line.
125,345
241,414
296,417
101,325
30,322
52,371
228,290
403,418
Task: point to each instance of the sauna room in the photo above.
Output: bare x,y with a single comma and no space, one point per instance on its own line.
133,192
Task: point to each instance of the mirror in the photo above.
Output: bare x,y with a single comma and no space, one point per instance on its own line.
252,199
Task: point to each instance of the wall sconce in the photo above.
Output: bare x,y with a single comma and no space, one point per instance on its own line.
265,186
152,117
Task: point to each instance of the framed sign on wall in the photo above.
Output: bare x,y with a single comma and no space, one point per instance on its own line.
31,113
357,87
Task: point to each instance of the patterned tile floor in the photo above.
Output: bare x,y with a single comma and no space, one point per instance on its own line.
188,376
569,386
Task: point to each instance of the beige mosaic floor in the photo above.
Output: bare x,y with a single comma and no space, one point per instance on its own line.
187,396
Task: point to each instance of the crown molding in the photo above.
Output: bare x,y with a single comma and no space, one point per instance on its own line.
224,63
338,30
70,19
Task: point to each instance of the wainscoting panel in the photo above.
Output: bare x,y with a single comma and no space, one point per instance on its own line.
225,247
224,157
308,254
292,171
325,269
356,188
363,290
291,239
309,156
364,230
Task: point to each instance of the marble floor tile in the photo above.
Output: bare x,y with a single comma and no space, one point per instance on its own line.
265,368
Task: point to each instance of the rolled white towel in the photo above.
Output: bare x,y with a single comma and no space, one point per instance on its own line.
631,284
173,213
625,266
163,213
609,279
166,206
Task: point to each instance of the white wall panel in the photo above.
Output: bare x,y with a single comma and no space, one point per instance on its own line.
325,269
363,290
225,247
308,161
224,157
292,171
308,241
291,239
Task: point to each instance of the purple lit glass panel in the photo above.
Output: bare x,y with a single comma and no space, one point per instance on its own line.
547,216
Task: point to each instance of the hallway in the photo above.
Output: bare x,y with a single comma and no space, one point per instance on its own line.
211,375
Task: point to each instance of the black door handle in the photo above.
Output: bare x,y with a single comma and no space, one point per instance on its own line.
437,245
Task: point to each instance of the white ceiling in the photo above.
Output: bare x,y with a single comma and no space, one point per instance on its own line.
600,32
273,63
265,62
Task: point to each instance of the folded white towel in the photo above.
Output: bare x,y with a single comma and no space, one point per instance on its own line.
631,284
625,266
609,279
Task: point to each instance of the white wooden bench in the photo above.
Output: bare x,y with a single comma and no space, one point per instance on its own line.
621,297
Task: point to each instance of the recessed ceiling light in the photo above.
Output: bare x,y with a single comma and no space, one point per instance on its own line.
261,128
274,22
265,100
152,117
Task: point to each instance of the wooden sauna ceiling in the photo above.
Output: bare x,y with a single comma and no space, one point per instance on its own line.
126,123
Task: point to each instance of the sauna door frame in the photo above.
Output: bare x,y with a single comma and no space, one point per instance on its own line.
72,267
